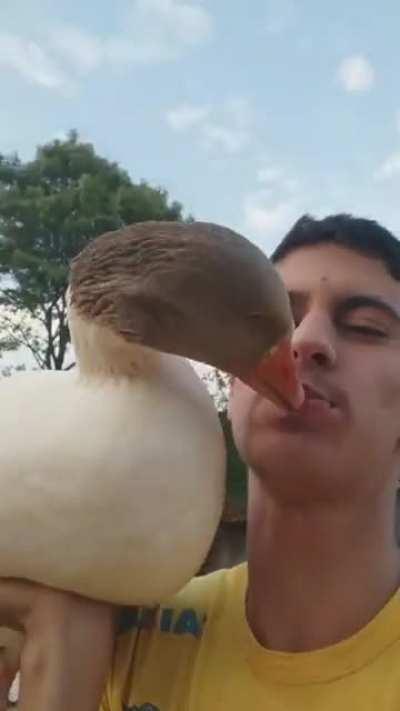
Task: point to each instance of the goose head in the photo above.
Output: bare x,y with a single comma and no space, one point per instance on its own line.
196,290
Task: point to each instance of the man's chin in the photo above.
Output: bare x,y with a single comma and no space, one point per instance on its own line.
292,449
291,476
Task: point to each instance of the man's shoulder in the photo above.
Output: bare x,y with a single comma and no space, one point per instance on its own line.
213,593
204,590
161,651
186,611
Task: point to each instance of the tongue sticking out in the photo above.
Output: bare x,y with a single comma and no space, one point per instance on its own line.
275,377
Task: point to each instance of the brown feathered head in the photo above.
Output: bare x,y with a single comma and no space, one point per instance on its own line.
197,290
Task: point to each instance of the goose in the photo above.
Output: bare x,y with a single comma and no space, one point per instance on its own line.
113,473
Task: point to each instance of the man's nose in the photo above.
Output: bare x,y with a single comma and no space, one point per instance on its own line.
313,342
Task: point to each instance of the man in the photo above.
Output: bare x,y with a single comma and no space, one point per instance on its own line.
313,620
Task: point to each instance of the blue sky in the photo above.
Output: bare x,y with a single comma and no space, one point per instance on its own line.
248,113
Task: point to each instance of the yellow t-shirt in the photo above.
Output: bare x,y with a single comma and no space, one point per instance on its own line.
197,653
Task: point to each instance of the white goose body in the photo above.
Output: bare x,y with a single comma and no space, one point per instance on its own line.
112,476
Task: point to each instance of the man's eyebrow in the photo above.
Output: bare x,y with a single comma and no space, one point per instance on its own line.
348,303
359,301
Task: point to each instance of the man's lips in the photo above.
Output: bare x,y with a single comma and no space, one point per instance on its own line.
329,393
278,378
275,377
312,393
324,409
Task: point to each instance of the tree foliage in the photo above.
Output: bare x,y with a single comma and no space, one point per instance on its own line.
49,209
236,476
218,384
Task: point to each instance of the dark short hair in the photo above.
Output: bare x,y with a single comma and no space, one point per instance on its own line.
356,233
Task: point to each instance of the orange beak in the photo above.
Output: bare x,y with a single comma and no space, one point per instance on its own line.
275,377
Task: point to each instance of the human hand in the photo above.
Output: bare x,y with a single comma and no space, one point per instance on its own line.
10,653
64,648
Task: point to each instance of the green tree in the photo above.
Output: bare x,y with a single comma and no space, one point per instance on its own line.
235,509
49,209
218,384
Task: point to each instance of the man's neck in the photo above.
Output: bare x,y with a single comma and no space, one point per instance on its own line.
319,574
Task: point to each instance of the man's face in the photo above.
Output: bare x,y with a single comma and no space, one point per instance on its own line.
345,439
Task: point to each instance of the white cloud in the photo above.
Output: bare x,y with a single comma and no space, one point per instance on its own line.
224,128
240,111
32,62
265,217
186,116
229,140
272,208
276,178
153,31
356,74
390,168
83,51
159,30
268,174
185,21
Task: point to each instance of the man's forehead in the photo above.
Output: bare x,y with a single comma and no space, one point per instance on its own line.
332,267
